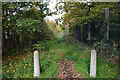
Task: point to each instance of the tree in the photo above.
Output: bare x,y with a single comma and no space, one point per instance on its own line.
23,24
89,15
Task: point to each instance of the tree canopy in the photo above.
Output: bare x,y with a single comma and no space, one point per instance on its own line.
23,22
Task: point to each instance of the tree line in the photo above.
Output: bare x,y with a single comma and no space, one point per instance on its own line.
23,24
93,23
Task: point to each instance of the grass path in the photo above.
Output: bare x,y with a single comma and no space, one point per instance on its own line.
22,66
57,50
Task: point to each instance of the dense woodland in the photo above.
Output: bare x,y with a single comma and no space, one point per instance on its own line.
92,25
89,22
24,25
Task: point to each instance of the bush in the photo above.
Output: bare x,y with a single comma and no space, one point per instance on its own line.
39,46
106,47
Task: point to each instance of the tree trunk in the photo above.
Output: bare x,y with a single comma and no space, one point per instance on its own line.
89,33
107,21
81,33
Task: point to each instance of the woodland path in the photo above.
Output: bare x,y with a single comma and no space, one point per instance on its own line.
66,70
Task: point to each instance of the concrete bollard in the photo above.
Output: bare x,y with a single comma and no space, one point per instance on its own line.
36,64
93,64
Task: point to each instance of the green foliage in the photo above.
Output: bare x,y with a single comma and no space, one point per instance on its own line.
23,24
18,67
108,47
101,45
92,14
49,67
57,52
52,26
39,46
84,13
22,66
106,69
27,26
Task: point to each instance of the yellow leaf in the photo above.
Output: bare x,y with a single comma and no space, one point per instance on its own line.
19,25
58,28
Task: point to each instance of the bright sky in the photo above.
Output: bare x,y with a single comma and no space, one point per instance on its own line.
51,6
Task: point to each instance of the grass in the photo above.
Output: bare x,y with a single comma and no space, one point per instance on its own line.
22,66
18,67
57,50
106,69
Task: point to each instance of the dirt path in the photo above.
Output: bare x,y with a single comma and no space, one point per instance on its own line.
66,70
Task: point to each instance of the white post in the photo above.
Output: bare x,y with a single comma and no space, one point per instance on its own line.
36,64
93,64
